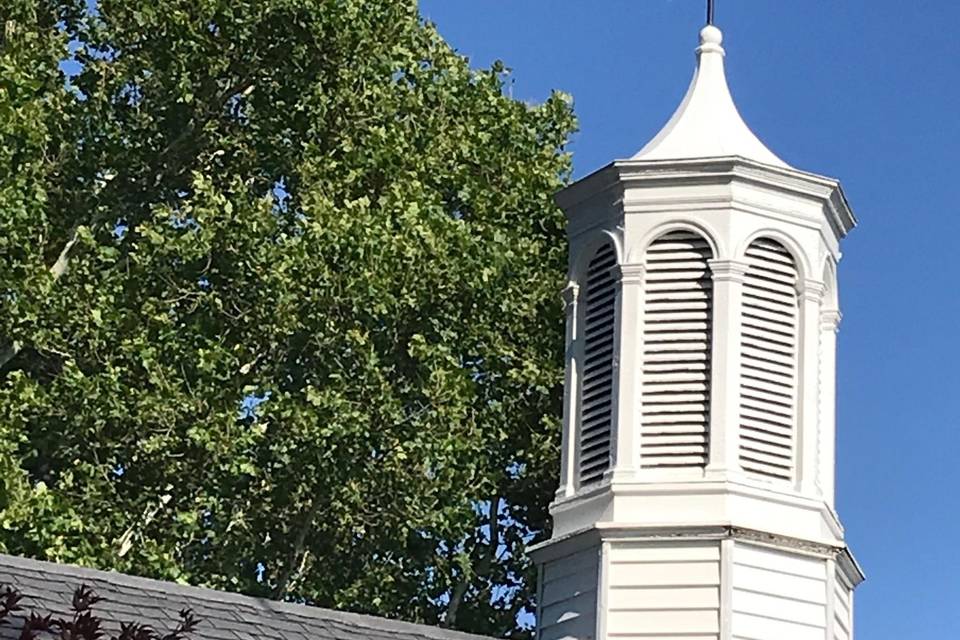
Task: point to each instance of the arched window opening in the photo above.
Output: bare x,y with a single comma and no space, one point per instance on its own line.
596,404
768,387
677,337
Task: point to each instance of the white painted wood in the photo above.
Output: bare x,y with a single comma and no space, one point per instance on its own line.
793,564
829,325
778,594
781,583
633,553
540,616
809,437
843,609
674,621
603,592
629,371
664,574
663,589
659,598
726,588
830,573
568,600
728,278
571,400
707,122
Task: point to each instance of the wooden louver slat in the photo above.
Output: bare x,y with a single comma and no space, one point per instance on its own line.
677,336
768,384
596,400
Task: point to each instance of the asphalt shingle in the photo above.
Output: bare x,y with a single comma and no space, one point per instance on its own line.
48,587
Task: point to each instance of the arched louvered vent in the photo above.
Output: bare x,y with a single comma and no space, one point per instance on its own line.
677,330
596,412
768,387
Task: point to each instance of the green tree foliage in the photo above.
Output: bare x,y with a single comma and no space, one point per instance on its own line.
278,303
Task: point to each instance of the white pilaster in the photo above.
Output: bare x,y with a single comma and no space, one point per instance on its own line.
728,278
829,326
808,431
831,577
603,590
571,384
629,356
726,589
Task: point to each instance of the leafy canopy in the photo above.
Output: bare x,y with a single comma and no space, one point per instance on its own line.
278,303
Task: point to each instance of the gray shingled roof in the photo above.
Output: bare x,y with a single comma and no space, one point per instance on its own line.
49,587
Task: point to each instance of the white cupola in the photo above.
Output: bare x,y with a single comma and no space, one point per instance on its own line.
697,473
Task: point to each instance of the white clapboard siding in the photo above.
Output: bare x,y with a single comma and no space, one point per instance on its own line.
768,387
677,329
663,590
777,595
568,597
596,417
842,611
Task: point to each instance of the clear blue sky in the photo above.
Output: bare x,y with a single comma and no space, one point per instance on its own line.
866,91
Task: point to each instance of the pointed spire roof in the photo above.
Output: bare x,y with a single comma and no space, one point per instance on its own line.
707,123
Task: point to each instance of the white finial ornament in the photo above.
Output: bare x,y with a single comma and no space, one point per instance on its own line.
707,123
711,35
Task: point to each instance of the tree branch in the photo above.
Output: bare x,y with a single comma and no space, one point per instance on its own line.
297,557
13,349
482,569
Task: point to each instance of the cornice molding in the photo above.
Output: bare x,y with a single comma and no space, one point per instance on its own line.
704,171
599,498
586,538
783,542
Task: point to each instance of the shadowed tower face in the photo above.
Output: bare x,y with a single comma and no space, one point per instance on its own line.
696,494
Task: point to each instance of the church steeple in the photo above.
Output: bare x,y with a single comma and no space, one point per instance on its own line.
696,490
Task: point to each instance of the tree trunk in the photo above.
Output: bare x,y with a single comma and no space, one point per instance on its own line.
295,562
482,568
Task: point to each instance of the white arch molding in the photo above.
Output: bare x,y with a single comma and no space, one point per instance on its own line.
637,254
587,249
800,256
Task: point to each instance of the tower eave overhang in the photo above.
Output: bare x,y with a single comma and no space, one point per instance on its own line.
562,546
851,568
635,173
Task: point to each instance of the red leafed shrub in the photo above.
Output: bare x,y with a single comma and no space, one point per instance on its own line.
85,624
